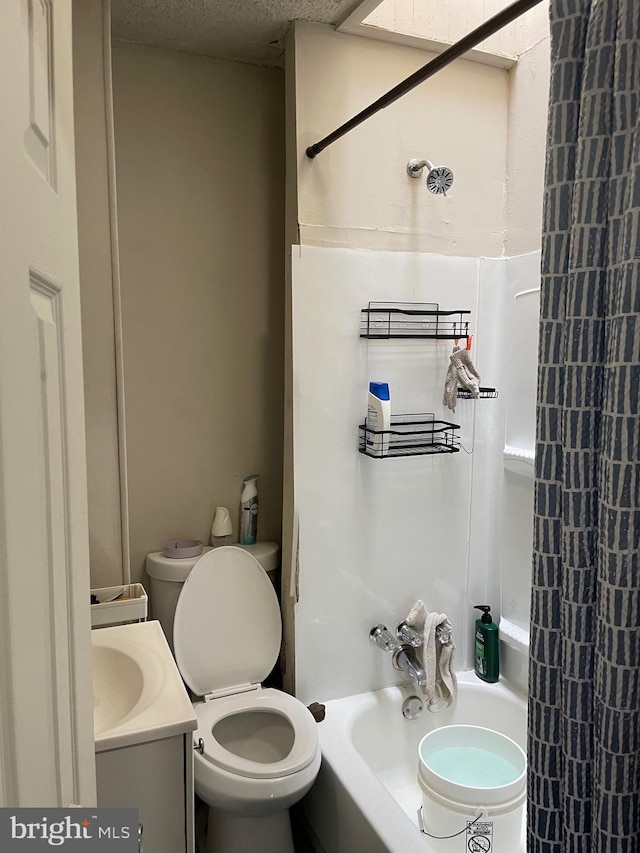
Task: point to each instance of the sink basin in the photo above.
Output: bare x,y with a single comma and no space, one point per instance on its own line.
138,694
118,685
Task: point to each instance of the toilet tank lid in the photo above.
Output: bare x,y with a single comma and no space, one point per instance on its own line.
169,569
266,553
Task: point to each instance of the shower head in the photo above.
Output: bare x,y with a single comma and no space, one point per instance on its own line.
439,178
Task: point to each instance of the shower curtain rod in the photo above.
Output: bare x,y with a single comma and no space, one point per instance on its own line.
506,16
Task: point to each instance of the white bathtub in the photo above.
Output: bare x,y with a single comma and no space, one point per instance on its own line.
366,797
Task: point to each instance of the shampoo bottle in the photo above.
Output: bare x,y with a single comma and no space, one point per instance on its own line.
487,664
378,419
249,510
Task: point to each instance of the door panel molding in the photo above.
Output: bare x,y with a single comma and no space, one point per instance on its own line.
40,136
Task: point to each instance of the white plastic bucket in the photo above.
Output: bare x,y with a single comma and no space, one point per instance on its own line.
473,783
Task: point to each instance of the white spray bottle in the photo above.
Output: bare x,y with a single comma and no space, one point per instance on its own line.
249,510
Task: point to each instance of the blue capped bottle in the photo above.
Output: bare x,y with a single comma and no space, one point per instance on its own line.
378,419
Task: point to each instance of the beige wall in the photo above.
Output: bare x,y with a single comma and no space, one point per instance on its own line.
444,22
96,280
488,124
440,23
200,176
357,193
528,102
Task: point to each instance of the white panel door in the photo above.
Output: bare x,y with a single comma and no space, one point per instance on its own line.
46,724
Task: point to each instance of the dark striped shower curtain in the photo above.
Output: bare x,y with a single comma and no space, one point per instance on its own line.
584,706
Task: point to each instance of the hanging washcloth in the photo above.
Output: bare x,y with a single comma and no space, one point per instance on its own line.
441,688
461,371
468,376
450,388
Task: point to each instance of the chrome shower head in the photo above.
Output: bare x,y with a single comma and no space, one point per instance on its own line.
439,178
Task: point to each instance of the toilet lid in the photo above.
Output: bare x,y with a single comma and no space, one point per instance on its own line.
227,627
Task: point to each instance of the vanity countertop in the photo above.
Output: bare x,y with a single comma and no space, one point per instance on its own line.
138,693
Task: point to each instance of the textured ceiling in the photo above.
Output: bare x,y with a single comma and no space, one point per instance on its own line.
245,30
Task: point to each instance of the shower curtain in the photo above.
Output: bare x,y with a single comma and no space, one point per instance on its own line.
584,706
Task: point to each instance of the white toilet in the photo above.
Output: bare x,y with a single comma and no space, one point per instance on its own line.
260,751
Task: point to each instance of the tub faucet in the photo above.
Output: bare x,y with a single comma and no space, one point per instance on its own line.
403,648
405,660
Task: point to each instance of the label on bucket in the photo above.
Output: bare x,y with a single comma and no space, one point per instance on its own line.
479,836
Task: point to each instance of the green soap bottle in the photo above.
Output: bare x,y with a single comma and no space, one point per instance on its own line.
487,647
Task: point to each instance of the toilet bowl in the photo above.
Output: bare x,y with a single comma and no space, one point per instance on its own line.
257,748
260,752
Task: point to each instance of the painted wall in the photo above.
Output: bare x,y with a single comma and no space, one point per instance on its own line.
444,23
528,103
441,23
200,177
488,124
357,192
96,291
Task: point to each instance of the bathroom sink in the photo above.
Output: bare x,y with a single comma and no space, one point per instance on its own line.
118,685
138,695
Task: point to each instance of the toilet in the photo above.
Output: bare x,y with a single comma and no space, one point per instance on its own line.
168,574
258,747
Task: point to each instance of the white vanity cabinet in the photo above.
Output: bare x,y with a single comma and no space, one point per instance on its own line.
155,778
143,727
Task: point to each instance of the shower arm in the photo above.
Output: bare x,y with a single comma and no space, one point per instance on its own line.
415,167
497,22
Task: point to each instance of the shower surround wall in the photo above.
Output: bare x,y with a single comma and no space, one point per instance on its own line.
375,535
487,124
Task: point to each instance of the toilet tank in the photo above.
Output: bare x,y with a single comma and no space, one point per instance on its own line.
167,576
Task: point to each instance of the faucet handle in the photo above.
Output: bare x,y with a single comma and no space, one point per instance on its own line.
443,634
382,637
408,635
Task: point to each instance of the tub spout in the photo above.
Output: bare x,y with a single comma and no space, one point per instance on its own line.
405,660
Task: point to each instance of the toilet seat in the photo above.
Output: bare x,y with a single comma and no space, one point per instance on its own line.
302,753
227,631
227,626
